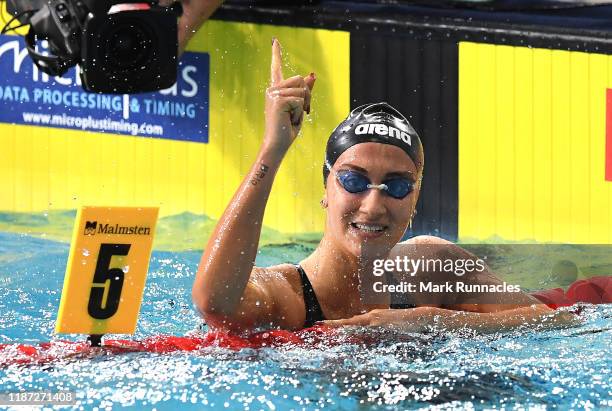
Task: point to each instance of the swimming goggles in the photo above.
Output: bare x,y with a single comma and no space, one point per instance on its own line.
354,182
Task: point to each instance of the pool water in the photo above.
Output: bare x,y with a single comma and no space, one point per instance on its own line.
567,368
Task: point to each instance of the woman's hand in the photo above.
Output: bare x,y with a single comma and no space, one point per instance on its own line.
286,102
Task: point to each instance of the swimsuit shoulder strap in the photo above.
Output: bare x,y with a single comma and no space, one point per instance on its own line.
313,308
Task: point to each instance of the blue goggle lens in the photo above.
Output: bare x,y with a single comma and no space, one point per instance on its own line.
399,187
354,182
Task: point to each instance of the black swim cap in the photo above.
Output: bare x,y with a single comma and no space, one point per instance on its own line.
375,123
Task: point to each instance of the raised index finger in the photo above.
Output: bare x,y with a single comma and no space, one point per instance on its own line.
276,68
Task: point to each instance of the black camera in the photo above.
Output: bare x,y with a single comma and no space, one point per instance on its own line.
121,46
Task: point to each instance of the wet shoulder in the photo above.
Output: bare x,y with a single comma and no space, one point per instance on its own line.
424,239
430,246
423,243
281,275
282,283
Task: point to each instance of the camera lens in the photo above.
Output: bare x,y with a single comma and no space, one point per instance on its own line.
129,51
128,46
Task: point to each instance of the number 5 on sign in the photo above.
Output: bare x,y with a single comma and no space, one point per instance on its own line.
107,269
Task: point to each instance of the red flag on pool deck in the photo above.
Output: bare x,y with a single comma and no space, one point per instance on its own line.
609,135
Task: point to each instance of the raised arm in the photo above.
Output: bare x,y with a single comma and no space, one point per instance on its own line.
221,288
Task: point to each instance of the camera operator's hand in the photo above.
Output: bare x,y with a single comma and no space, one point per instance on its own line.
286,102
195,13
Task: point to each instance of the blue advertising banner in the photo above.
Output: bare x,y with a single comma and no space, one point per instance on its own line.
30,97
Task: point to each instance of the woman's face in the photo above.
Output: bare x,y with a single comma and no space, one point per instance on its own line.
370,219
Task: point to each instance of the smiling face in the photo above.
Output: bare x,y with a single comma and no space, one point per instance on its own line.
371,218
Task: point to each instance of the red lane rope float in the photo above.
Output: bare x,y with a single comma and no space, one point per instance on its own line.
596,290
11,354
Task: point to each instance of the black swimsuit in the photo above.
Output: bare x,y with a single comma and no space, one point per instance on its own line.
311,302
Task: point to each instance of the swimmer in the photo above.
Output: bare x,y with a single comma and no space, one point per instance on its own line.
372,176
564,273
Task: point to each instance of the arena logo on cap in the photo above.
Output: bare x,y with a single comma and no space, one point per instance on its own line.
383,130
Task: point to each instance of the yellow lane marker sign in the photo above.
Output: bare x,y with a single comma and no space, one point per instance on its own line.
107,269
